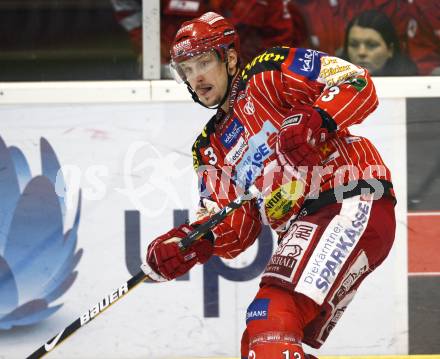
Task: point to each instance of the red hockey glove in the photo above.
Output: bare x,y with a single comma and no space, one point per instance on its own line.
300,134
167,259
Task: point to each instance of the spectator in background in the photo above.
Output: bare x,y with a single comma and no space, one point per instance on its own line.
264,23
128,13
371,42
326,20
261,23
421,34
417,23
325,23
173,13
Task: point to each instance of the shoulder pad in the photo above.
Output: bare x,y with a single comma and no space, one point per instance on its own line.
269,60
202,140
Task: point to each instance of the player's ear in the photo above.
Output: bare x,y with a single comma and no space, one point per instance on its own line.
232,61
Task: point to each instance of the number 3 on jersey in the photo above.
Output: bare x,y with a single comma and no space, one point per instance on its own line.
212,157
332,92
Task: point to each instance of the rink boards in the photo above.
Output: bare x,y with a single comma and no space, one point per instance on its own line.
133,166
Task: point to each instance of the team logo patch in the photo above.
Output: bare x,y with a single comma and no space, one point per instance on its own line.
249,108
233,131
258,309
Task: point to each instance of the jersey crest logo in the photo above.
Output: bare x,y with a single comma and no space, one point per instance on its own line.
249,108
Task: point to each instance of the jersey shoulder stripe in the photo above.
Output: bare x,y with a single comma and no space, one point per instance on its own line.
202,140
269,60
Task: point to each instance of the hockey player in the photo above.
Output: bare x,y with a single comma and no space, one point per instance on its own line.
281,126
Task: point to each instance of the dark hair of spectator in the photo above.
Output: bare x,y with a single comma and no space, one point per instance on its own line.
399,64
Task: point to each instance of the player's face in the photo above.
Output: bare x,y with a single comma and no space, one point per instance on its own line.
367,48
207,76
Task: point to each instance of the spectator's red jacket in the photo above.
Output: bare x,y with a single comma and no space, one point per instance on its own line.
420,30
241,144
326,22
262,24
129,15
173,13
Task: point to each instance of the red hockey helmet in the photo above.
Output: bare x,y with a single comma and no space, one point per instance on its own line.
210,31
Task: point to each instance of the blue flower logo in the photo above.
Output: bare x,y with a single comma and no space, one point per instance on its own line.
37,259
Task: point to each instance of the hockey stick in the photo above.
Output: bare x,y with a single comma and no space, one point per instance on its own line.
136,279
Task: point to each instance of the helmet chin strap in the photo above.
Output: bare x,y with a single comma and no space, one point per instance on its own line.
195,97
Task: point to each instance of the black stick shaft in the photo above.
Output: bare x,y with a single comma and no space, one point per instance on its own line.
135,280
89,315
214,220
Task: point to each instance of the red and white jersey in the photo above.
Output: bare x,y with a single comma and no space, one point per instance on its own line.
238,149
